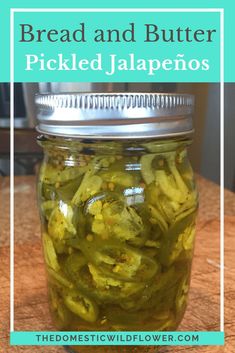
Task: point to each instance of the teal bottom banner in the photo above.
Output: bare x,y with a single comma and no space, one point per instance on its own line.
109,338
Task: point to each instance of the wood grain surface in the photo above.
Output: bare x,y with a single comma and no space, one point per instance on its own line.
31,308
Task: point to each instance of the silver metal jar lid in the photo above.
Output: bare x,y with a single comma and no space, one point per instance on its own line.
115,115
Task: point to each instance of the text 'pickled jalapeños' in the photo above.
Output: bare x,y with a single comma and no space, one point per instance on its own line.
118,235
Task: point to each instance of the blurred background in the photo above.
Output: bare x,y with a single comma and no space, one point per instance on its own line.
204,152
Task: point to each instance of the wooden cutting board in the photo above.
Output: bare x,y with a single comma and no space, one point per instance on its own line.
31,308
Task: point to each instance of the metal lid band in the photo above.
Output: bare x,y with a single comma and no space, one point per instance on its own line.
115,115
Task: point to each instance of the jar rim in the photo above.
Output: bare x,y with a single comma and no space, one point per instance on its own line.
115,115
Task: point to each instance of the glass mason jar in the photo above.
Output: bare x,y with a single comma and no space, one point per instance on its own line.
118,204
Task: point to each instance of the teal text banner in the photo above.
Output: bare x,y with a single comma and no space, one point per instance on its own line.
116,45
107,338
226,25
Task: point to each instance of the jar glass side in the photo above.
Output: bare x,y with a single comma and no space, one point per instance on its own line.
118,229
